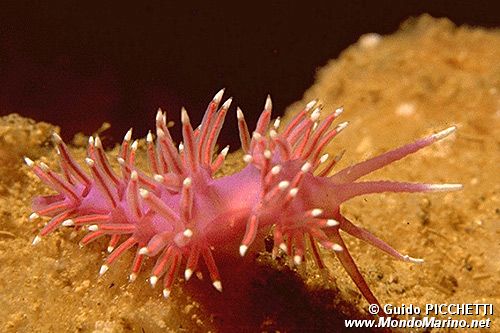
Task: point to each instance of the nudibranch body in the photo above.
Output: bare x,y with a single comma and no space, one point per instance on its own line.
180,213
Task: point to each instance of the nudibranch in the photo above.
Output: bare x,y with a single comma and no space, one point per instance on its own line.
180,213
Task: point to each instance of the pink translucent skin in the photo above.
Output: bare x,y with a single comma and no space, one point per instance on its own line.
180,213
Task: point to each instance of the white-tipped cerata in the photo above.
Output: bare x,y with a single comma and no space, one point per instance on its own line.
128,135
36,240
90,162
225,151
297,260
218,97
104,268
56,137
283,247
68,223
239,114
227,103
217,285
93,227
444,133
133,175
247,158
149,137
337,248
267,154
166,293
243,250
256,136
159,178
277,123
29,162
332,223
153,280
323,158
132,277
184,116
311,104
143,251
315,114
134,145
44,167
413,260
316,212
293,192
445,187
338,111
33,216
98,142
269,103
187,274
340,127
306,167
283,185
110,248
187,182
188,233
276,169
143,193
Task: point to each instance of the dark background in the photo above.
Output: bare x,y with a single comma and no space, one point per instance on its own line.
78,64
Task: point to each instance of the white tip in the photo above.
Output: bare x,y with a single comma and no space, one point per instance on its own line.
276,169
149,137
227,103
444,133
134,144
104,268
158,178
243,250
188,233
33,216
283,247
153,280
217,98
217,285
128,135
166,293
283,185
225,151
187,182
413,260
306,167
93,227
44,167
239,114
143,251
311,104
98,142
110,249
315,114
36,240
341,126
133,175
297,260
91,140
143,193
187,274
273,134
256,136
323,158
316,212
446,187
332,223
181,147
269,103
90,162
337,248
277,123
132,277
68,223
267,154
159,115
338,111
29,162
57,138
184,116
120,160
247,158
293,192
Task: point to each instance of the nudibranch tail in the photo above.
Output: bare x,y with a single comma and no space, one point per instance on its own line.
179,213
